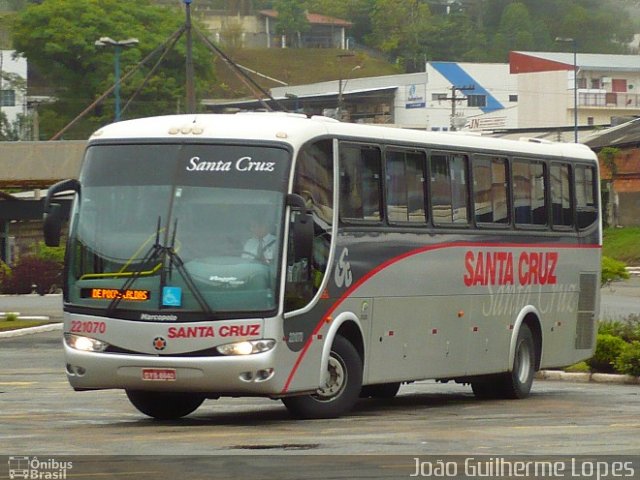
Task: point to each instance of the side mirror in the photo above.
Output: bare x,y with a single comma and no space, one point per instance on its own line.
52,225
301,228
52,216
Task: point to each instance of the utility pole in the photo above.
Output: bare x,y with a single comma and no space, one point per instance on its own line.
453,99
190,87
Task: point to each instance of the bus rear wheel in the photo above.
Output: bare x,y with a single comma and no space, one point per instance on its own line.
341,389
516,383
381,390
165,405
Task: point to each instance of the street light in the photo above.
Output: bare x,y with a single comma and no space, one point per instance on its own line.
572,41
341,89
117,45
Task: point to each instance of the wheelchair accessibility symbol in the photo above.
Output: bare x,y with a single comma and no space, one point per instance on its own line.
171,296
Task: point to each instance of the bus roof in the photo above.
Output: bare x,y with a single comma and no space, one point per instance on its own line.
297,129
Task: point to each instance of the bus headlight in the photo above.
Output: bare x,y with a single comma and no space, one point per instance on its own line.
85,344
248,347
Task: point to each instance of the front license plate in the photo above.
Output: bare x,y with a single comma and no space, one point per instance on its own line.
159,374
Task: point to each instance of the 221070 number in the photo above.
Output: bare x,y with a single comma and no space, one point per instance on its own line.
88,326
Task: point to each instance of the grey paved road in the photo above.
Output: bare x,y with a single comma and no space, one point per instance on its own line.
255,438
42,415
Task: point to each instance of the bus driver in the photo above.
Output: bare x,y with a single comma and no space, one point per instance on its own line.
262,242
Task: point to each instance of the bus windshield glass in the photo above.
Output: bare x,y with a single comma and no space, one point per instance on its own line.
183,228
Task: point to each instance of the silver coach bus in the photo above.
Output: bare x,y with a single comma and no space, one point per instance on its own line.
317,262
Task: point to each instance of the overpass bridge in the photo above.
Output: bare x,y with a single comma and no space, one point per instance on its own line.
30,167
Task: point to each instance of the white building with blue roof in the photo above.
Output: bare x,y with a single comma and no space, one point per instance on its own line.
447,95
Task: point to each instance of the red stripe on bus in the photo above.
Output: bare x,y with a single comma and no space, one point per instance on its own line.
399,258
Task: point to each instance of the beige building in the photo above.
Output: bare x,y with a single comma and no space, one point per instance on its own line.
607,86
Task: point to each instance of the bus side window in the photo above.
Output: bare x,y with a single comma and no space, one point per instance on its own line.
360,183
586,206
406,186
561,205
490,190
313,181
529,193
449,194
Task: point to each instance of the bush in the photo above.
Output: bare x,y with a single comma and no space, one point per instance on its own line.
628,329
613,270
29,271
628,361
608,349
5,273
43,252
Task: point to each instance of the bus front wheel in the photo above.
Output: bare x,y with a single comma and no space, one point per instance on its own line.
165,405
341,389
516,383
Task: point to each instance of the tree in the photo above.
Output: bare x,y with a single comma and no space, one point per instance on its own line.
292,20
482,30
398,27
356,11
515,31
57,37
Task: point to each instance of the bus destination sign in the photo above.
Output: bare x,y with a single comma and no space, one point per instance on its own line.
116,294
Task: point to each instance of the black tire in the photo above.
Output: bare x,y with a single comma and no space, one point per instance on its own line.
485,389
342,390
516,383
382,390
165,405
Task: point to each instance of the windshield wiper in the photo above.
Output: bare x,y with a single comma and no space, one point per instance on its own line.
154,252
159,251
176,260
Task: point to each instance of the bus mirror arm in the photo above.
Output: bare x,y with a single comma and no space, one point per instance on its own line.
52,212
302,227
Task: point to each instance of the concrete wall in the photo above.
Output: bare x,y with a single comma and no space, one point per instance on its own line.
628,209
544,99
31,164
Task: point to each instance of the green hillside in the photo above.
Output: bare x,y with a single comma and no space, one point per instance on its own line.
622,244
295,66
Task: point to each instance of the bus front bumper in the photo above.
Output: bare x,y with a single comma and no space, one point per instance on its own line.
220,375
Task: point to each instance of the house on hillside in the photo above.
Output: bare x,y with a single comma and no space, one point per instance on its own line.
621,173
259,30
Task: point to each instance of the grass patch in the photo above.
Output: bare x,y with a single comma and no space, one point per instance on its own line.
295,66
6,325
581,367
622,244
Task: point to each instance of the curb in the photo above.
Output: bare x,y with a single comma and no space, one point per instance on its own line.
30,330
588,377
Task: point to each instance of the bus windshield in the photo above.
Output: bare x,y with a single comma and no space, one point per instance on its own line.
183,228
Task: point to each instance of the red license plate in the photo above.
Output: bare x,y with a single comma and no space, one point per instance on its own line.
159,374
